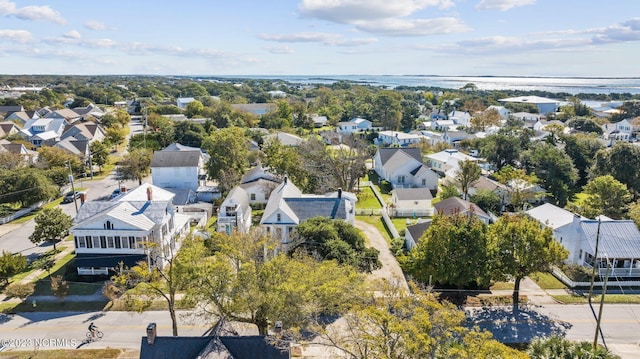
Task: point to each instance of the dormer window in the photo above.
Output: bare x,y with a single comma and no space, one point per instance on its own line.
108,225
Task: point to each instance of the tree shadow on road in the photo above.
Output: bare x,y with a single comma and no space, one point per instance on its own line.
508,329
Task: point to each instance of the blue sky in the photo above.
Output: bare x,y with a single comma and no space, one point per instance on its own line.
321,37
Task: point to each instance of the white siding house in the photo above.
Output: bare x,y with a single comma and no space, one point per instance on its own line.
403,168
178,166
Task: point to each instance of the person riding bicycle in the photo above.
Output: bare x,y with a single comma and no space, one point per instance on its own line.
92,329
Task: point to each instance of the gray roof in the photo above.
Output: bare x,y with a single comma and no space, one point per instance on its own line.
406,194
214,347
256,173
177,155
618,239
455,205
308,207
387,152
418,229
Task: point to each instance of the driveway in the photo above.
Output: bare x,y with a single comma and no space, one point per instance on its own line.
390,270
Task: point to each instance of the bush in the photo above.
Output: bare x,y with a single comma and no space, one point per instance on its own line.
385,186
18,290
397,246
577,273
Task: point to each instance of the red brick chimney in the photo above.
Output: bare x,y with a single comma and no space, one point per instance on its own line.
149,194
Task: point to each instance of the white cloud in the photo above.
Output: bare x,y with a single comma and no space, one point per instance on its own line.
349,11
31,12
279,50
420,27
21,36
95,25
73,34
320,37
502,5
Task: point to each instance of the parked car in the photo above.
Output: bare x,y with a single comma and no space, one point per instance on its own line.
70,196
116,193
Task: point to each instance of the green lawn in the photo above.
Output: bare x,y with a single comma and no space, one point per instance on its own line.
547,281
367,199
502,286
609,298
378,223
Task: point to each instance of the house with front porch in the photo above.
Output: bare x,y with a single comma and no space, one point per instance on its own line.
621,131
142,225
411,202
288,207
618,240
403,168
235,212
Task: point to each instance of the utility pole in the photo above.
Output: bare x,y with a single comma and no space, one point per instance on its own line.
73,189
90,161
144,126
604,291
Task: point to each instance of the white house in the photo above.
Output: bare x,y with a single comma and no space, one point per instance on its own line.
443,125
178,166
619,240
501,110
235,212
182,102
142,225
259,183
395,138
87,131
447,160
44,131
319,121
622,130
354,125
288,207
460,118
403,168
411,202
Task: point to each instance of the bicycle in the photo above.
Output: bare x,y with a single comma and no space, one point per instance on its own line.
96,335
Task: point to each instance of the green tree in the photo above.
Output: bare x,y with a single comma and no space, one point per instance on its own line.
521,246
582,150
135,165
467,174
622,161
161,282
410,113
122,117
634,213
115,136
607,196
448,191
399,325
484,119
501,150
335,239
488,200
10,265
584,124
518,184
228,151
194,109
285,161
452,251
20,290
387,109
243,282
11,161
99,154
553,168
50,157
26,186
52,225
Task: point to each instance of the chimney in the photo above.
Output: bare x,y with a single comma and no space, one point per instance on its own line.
339,193
151,333
285,179
149,194
123,189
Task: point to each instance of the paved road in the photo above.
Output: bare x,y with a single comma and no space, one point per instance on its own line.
15,237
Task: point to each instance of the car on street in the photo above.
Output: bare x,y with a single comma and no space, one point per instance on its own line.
70,196
116,192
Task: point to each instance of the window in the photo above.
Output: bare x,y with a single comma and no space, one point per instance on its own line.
279,217
580,254
80,242
96,242
132,242
110,243
424,182
125,242
400,179
253,196
139,242
108,225
103,242
118,242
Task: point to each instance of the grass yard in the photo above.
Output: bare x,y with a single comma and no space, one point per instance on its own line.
547,281
367,199
609,298
502,286
53,306
378,223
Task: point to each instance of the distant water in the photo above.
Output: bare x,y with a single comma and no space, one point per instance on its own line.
571,85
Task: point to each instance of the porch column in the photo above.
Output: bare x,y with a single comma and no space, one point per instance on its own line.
631,266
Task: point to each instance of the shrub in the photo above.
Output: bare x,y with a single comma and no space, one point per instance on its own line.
19,290
577,273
